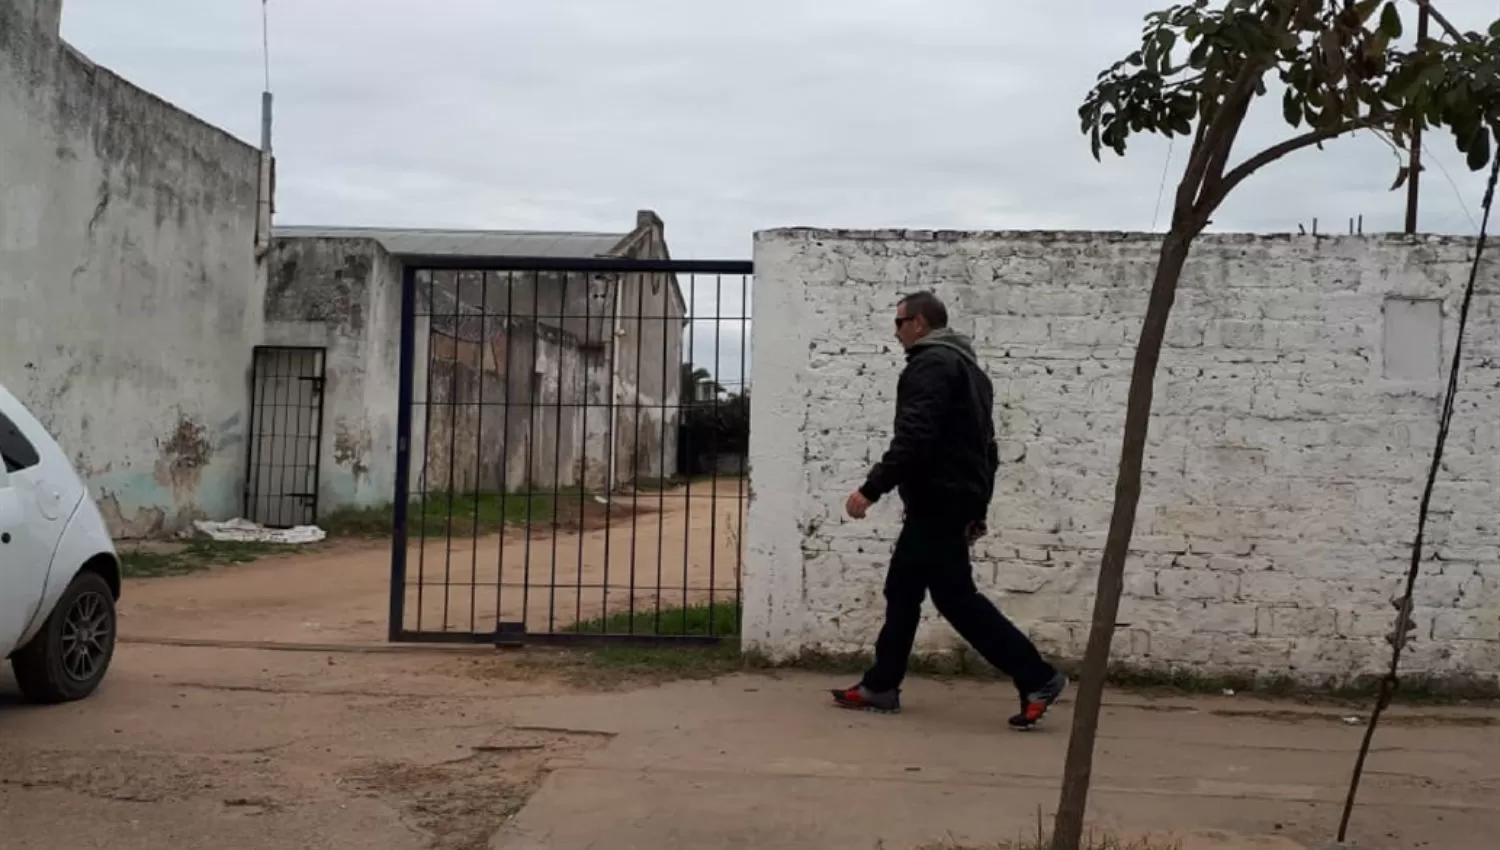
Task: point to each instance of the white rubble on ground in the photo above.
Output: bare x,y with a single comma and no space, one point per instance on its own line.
244,531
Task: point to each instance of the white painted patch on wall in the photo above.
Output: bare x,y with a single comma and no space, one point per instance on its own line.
1413,339
1295,414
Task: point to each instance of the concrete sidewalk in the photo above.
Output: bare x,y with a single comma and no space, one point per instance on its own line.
762,762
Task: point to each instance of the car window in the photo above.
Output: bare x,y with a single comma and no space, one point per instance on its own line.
17,451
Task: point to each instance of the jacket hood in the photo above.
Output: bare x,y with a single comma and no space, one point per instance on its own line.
947,338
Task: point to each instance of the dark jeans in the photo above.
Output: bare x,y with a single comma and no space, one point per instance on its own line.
932,553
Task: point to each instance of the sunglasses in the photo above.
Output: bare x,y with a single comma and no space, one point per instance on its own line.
901,320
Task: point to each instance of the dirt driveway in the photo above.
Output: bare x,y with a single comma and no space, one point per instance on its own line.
232,749
205,738
682,547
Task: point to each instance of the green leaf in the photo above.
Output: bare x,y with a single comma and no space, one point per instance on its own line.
1168,40
1432,76
1390,21
1291,109
1479,149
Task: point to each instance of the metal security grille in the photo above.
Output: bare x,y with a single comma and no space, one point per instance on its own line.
571,451
286,435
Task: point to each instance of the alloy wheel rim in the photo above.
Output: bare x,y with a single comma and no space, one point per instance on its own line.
85,637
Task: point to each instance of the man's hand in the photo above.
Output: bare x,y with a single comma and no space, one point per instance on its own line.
857,505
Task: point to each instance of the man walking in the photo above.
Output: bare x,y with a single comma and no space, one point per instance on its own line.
942,461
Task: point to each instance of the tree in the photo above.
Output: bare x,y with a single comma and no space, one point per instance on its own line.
1197,73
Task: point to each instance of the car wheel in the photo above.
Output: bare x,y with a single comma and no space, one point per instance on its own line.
68,658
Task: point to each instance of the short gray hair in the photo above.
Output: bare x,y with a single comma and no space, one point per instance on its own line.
928,306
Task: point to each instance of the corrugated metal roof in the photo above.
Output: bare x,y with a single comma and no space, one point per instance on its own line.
469,243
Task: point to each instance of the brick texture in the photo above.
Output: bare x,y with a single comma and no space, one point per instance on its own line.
1282,476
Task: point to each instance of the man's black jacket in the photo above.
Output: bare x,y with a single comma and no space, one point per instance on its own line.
943,456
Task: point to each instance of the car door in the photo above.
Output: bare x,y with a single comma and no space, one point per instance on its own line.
28,535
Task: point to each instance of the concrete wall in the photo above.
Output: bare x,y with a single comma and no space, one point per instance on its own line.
524,403
652,314
128,282
345,295
518,381
651,352
519,404
1295,416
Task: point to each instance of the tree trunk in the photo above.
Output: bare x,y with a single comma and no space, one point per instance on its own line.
1067,831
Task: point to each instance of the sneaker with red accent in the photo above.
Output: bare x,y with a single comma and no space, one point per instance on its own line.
861,698
1035,704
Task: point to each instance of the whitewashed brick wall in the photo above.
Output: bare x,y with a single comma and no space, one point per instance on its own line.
1295,415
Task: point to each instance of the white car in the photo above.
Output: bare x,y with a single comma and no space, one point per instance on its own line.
59,573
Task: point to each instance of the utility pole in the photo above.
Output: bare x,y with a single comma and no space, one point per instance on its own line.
1414,165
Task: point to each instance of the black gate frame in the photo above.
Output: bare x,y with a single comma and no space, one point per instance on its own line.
506,634
257,406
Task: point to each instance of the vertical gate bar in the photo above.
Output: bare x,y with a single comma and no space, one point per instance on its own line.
510,291
252,460
479,465
283,392
583,457
402,496
744,464
297,469
635,453
612,450
306,472
687,496
317,446
431,278
665,317
267,495
272,410
453,410
713,493
562,322
532,405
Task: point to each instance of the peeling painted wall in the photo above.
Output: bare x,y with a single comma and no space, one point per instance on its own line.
128,283
344,295
523,428
652,317
1295,414
539,417
543,377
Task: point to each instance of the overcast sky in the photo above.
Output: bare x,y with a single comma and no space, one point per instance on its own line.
725,117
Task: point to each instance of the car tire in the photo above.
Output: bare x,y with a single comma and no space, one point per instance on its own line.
68,658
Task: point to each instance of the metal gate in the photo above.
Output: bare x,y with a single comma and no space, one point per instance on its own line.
286,435
571,461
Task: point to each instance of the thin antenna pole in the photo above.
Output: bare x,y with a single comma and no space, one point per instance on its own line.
1414,165
265,39
266,206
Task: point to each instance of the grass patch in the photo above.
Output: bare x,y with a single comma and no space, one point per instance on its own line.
621,664
722,619
656,485
684,662
1361,690
1042,840
191,557
1091,841
689,660
462,514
